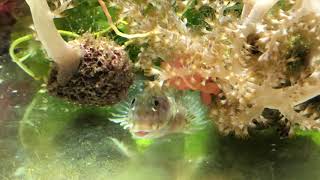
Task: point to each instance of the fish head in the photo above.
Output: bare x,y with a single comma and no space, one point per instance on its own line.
150,114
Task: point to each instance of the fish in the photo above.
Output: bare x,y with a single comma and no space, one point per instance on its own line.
157,111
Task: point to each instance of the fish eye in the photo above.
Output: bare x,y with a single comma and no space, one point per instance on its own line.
156,103
133,101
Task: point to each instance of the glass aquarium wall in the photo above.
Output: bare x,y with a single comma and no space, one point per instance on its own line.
150,89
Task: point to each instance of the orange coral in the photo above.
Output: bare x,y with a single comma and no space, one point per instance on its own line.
189,80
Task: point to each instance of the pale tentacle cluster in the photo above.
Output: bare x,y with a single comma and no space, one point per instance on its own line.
60,6
267,58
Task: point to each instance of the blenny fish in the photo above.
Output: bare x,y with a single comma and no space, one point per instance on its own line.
157,111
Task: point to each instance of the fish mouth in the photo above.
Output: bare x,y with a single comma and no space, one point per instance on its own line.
147,131
141,133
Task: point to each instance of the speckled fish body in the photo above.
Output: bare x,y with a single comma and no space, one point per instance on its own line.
158,111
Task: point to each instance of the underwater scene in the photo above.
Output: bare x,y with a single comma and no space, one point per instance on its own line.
159,89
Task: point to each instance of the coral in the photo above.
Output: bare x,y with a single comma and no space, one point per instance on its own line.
63,54
86,70
266,58
256,54
103,77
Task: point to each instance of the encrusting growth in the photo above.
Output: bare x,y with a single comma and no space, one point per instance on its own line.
103,78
